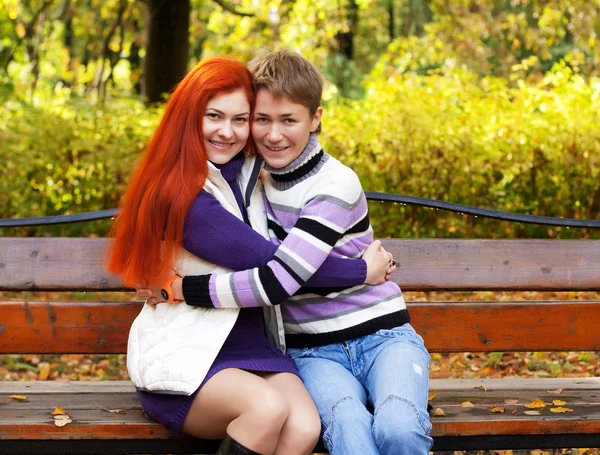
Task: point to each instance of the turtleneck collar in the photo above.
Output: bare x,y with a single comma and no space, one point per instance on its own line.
307,163
230,170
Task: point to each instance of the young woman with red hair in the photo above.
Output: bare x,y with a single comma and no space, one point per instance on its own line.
198,372
211,373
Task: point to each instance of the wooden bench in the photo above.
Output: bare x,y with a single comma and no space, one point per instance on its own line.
59,327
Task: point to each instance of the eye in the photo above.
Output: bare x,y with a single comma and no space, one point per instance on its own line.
289,121
240,120
212,115
261,120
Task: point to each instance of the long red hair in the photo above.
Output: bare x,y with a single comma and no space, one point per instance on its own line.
149,230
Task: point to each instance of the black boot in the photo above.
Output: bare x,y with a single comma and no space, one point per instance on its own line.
230,446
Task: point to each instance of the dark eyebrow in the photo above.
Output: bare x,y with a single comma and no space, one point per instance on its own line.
267,115
223,113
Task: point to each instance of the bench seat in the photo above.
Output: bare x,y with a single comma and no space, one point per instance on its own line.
89,403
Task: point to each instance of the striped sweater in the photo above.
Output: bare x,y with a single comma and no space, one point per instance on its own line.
316,207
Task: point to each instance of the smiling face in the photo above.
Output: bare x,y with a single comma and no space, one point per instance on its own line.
281,128
225,126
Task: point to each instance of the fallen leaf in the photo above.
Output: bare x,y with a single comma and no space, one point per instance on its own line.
467,404
62,420
532,413
44,371
58,411
560,410
115,411
511,401
480,387
439,412
18,397
431,395
514,411
497,410
557,391
536,404
558,402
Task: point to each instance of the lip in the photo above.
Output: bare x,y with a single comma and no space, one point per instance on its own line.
221,145
276,149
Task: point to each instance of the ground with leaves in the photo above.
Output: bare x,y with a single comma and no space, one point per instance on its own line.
454,365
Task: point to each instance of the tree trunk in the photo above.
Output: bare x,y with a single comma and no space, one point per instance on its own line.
391,20
346,39
167,46
135,61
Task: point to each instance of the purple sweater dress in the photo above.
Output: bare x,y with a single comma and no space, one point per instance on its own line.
208,231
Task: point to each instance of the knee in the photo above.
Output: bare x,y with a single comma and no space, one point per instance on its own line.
400,427
303,430
270,407
350,414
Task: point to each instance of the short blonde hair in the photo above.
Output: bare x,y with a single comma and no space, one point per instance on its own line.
287,73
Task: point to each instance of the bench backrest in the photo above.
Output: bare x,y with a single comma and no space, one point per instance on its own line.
76,264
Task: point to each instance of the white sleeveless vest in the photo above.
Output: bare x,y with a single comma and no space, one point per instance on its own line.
171,347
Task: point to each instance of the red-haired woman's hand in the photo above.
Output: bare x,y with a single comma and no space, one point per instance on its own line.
152,296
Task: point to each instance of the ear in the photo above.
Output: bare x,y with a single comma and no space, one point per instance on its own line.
316,119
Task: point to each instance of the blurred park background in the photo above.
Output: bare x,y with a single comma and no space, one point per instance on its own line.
492,103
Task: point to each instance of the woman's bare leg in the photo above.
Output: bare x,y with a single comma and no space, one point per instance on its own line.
247,407
301,430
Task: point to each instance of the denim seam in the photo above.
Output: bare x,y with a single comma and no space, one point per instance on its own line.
410,403
329,438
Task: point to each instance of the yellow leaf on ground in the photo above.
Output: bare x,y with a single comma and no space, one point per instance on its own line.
560,410
480,387
511,401
58,411
467,404
532,413
536,404
116,411
497,410
558,402
18,397
431,395
439,412
557,391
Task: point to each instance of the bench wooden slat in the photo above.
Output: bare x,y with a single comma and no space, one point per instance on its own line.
102,327
91,421
427,264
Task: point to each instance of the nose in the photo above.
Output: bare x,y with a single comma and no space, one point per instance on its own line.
225,130
274,135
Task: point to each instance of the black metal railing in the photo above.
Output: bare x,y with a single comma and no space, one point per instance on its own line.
372,196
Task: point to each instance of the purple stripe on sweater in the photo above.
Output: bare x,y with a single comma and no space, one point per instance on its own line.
285,219
306,250
212,288
343,216
243,293
327,310
323,306
285,279
355,246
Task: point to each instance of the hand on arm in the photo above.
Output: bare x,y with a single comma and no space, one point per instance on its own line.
380,263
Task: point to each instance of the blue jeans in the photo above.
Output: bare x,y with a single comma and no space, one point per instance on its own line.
371,392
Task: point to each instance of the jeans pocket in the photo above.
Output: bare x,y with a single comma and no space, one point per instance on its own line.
404,333
299,353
